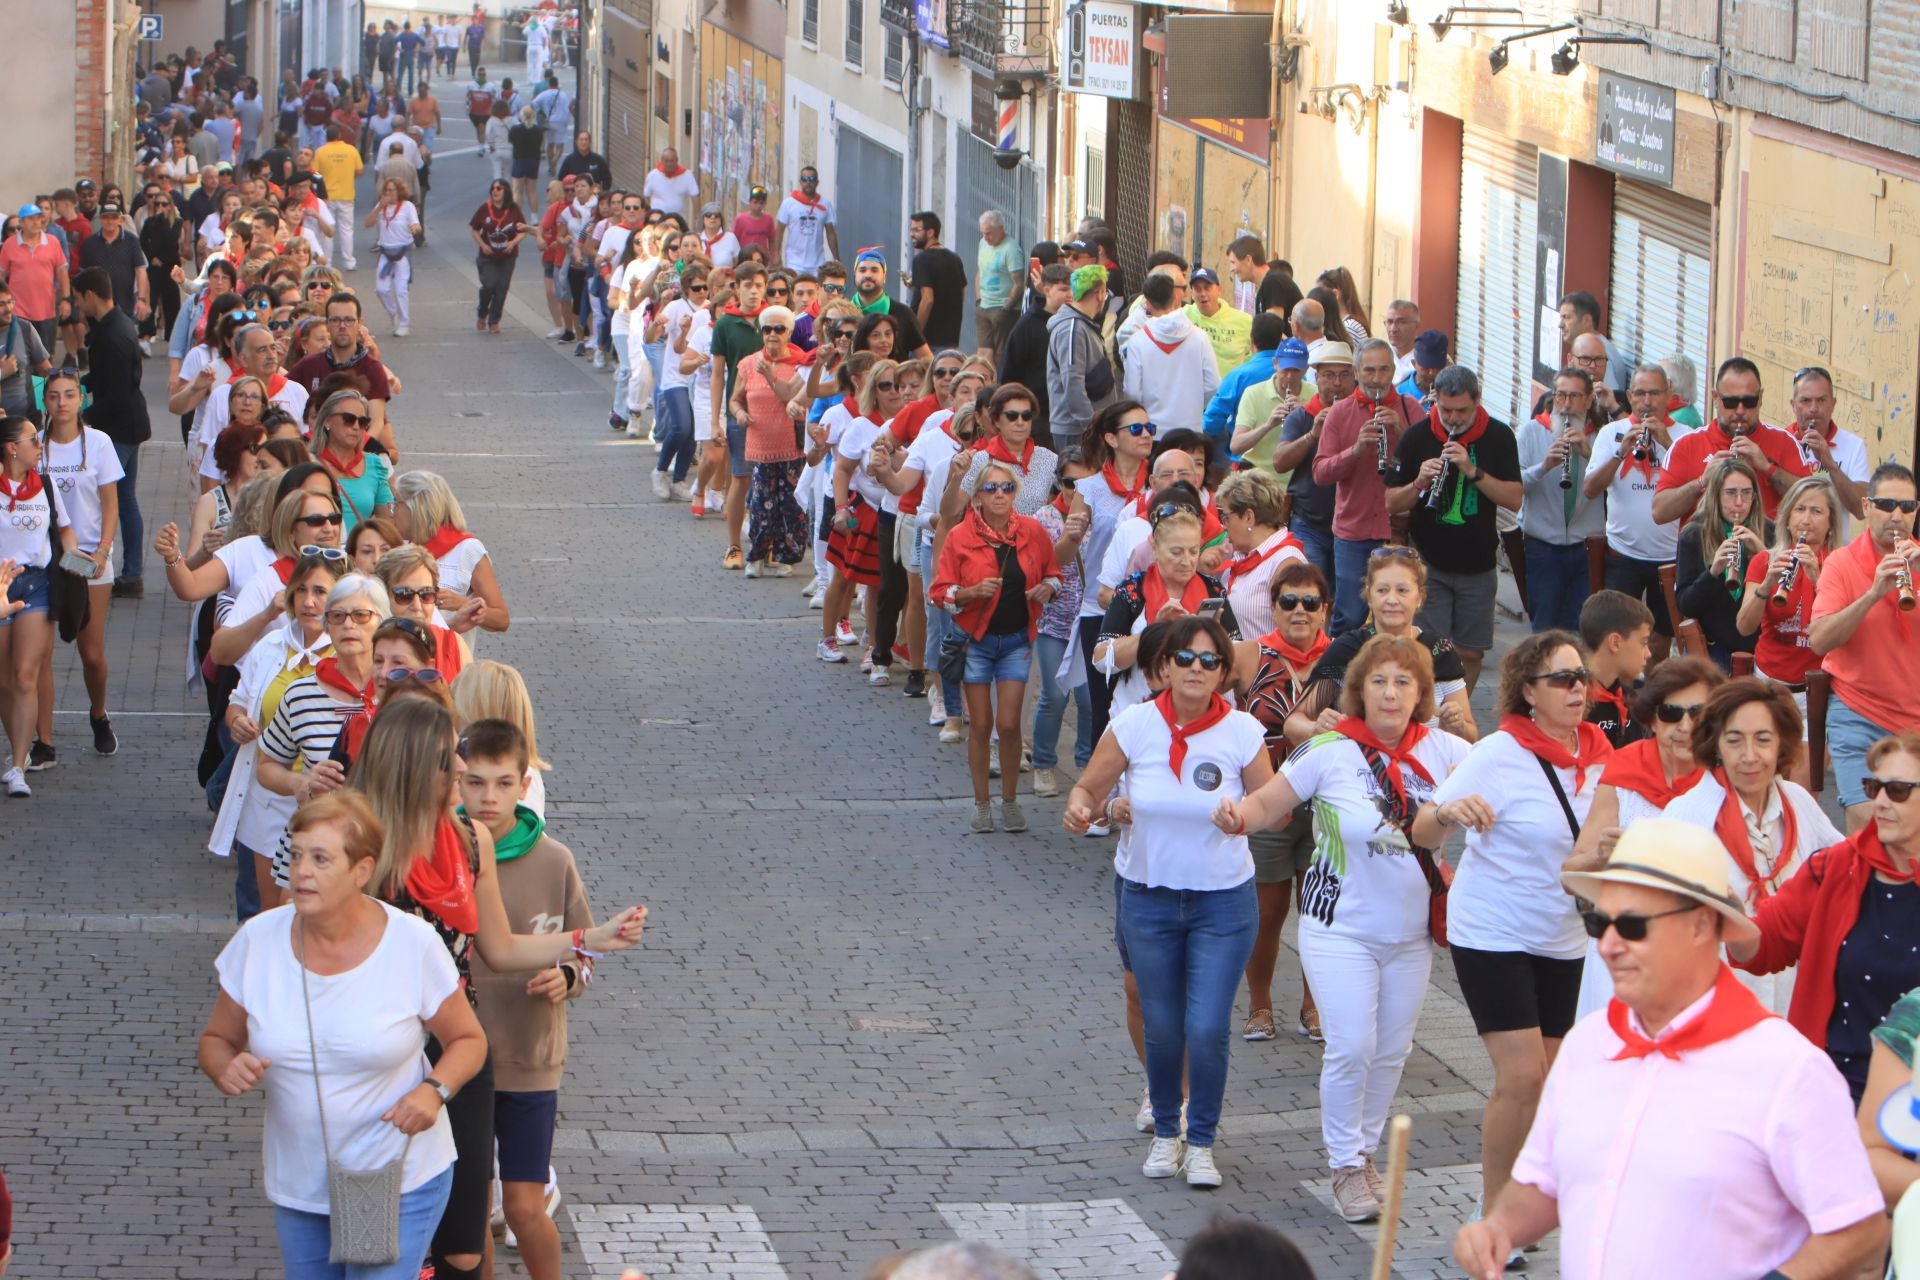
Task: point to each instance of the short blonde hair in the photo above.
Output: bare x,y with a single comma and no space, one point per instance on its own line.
286,515
1255,491
430,503
489,690
403,560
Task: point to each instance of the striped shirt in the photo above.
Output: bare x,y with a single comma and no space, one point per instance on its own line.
305,725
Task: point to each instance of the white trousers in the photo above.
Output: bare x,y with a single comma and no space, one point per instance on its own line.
342,211
391,282
1369,994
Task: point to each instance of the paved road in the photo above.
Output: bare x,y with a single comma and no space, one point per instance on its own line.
851,1028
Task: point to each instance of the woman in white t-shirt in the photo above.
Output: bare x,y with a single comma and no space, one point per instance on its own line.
1514,932
395,222
27,512
1187,908
719,245
853,545
709,467
427,513
85,473
345,970
681,308
625,295
1365,935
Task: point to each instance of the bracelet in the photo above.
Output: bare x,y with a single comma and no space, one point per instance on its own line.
580,947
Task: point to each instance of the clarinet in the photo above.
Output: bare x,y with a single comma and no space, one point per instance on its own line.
1383,451
1903,583
1561,424
1435,491
1783,590
1640,451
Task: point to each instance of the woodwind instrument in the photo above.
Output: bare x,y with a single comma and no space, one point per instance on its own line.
1436,492
1903,579
1783,590
1735,577
1384,461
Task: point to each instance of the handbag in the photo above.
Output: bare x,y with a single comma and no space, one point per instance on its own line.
69,601
1437,871
363,1208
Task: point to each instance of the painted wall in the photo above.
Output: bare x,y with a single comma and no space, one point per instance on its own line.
823,89
189,22
40,159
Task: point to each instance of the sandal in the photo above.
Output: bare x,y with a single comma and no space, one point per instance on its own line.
1259,1026
1309,1026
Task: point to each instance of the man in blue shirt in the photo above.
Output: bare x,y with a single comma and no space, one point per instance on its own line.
1429,358
1268,332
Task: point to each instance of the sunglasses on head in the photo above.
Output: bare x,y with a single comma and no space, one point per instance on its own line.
1571,678
407,595
1631,926
1287,602
333,555
425,675
1740,402
1905,506
1016,415
999,486
1897,791
1185,658
315,522
1674,712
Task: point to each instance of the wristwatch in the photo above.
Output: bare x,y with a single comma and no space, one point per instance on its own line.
446,1094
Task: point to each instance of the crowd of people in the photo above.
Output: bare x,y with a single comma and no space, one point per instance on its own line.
1257,548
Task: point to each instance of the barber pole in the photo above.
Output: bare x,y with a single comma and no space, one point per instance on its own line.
1009,124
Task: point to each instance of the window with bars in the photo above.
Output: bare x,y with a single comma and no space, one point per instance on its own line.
895,66
857,34
810,23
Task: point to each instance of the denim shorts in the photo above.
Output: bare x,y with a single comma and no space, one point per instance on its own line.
1849,736
998,660
737,465
523,1131
33,586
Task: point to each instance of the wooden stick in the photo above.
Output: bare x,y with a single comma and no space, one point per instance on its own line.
1398,1132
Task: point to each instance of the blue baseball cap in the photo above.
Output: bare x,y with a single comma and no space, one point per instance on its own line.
1430,350
29,210
1291,354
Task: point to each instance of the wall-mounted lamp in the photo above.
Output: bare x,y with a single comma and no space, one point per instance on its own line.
1446,21
1567,56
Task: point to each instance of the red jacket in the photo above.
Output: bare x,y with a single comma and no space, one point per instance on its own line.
968,558
1805,923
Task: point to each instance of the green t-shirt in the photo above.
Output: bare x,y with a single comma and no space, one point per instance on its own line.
998,268
1902,1027
1256,406
1230,330
734,339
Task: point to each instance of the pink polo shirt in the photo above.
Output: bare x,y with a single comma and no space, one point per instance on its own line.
1720,1164
31,272
1359,490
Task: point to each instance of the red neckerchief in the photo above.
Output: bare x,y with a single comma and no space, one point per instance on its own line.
1629,462
1733,1009
674,172
1301,660
1674,402
1465,438
1866,843
1216,711
327,671
1867,560
811,201
1240,566
708,244
1637,768
351,469
443,883
1832,431
1011,538
1167,347
284,568
1591,746
1731,827
1355,728
997,449
445,540
1314,406
1601,693
274,384
26,491
733,309
1153,592
1125,492
508,215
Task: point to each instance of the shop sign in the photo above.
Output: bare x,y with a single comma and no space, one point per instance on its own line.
1633,131
1102,43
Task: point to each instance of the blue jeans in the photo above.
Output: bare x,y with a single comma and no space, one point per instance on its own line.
1188,948
622,372
133,530
1849,735
1349,583
656,357
1050,708
674,422
999,659
946,642
246,882
1557,584
1318,544
305,1237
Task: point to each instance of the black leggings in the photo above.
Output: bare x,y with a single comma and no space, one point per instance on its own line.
893,594
464,1225
1099,688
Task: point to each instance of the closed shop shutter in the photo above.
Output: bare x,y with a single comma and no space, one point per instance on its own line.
868,191
629,131
985,185
1499,204
1130,177
1662,290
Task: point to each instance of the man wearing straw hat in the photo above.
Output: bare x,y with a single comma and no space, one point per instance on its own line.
1685,1131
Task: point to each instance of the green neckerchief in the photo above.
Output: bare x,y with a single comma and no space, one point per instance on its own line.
1466,495
528,827
880,305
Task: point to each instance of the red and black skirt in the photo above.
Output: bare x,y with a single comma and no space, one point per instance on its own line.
857,554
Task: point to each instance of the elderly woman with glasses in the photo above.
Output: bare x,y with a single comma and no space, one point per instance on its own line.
412,579
429,515
302,522
764,404
1170,587
340,431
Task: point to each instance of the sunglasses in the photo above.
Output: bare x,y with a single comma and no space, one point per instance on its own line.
1016,415
1287,602
1898,792
833,290
315,522
360,420
777,293
885,386
1393,549
781,328
696,288
244,315
1572,678
279,326
359,617
1740,402
320,284
945,372
407,595
1141,429
1185,658
1674,712
1816,371
999,486
425,675
1905,506
1630,927
333,555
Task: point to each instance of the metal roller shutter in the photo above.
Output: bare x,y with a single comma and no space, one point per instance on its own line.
1499,204
1130,177
629,132
985,185
1662,287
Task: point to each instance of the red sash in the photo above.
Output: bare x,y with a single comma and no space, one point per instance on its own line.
1355,728
1636,767
443,883
1731,827
445,540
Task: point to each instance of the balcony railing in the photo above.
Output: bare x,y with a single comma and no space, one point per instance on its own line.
897,15
1000,39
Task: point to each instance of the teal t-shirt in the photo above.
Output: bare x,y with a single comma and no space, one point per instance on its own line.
360,495
998,271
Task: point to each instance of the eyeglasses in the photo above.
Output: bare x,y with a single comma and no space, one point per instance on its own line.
343,319
1630,926
781,328
407,595
360,420
1898,792
1571,678
425,675
1589,359
885,386
359,617
1905,506
833,290
999,486
1740,402
1141,429
1674,712
1287,602
1016,415
1185,658
315,522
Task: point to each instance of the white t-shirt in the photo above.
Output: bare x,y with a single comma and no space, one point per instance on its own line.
1172,842
291,396
931,454
78,471
613,237
457,566
723,252
671,195
856,442
1507,895
701,340
1128,534
677,314
806,243
369,1025
393,228
1364,881
212,233
245,558
198,357
627,277
23,530
1630,527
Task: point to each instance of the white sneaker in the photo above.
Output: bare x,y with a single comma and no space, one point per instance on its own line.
402,331
599,359
818,602
830,652
16,782
753,566
146,347
993,759
1143,1118
843,633
1164,1157
1200,1168
777,570
682,492
1044,783
715,501
554,333
633,429
661,488
879,676
951,731
936,706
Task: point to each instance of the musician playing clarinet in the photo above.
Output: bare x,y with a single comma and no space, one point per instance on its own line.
1475,464
1865,634
1354,456
1556,515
